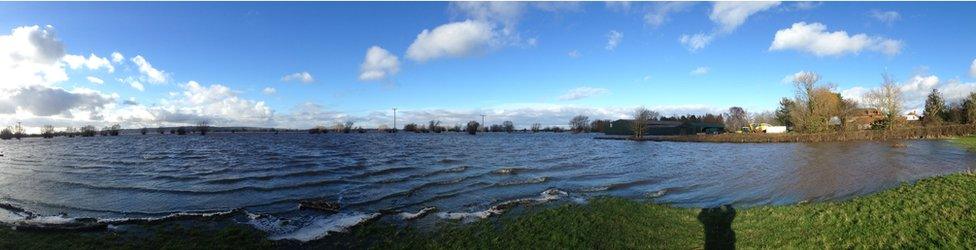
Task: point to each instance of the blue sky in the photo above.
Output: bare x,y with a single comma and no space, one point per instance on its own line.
528,62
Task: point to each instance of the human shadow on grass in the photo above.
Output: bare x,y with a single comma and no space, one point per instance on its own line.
718,227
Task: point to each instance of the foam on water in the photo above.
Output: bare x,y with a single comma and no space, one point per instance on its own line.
307,228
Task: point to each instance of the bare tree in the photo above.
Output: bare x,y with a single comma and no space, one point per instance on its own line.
347,127
47,131
203,127
508,126
579,123
642,116
536,127
887,99
472,127
736,118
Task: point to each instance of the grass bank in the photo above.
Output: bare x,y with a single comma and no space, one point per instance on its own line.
939,212
916,132
968,142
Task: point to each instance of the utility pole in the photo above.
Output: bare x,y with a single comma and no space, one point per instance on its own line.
394,120
483,122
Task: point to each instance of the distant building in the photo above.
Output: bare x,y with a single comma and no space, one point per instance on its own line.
863,118
912,117
625,127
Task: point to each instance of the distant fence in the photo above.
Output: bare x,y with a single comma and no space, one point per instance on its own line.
860,135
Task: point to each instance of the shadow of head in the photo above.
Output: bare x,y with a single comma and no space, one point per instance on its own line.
717,222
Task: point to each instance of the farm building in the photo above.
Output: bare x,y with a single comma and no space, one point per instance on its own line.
624,127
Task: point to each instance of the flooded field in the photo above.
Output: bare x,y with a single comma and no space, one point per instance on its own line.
262,177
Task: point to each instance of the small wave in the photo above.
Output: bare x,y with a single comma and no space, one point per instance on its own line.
423,212
22,219
525,181
448,161
507,171
203,192
309,228
382,172
619,185
545,196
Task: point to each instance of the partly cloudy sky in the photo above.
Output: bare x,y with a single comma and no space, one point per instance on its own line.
297,65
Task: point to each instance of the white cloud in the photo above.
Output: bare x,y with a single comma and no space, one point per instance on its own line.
30,55
916,89
378,65
659,13
972,69
700,71
46,101
798,6
583,92
815,39
613,39
886,17
456,39
730,15
137,85
793,77
574,54
506,13
93,62
216,103
696,42
95,80
269,91
303,77
153,75
117,57
619,6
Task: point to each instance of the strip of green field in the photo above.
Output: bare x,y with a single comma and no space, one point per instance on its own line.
939,212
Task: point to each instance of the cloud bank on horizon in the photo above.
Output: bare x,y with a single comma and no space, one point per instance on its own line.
507,60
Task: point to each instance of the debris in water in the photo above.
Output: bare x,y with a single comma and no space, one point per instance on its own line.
319,204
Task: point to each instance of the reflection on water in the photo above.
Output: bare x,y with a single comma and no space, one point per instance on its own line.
156,175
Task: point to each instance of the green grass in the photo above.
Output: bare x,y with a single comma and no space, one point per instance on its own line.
165,236
967,142
939,212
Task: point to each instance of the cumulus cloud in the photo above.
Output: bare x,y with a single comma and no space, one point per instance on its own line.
303,77
915,89
613,39
700,71
506,13
216,103
696,42
727,16
269,91
95,80
46,101
660,12
117,57
814,38
972,69
93,62
456,39
152,75
137,85
29,55
583,92
730,15
886,17
378,65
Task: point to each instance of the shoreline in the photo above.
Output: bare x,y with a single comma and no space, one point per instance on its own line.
912,133
933,212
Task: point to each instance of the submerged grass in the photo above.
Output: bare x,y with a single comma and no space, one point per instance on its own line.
939,212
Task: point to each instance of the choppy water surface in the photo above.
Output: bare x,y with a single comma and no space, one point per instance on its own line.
463,176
